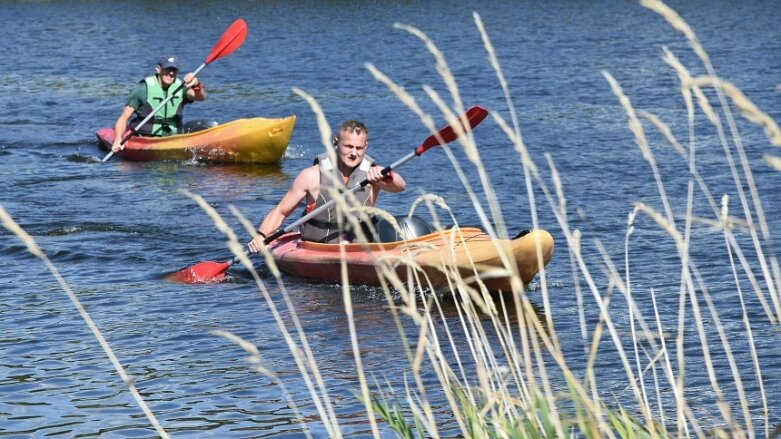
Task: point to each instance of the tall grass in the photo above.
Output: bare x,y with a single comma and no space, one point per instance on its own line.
510,376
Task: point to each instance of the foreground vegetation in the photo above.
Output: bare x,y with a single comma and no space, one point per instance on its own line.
519,383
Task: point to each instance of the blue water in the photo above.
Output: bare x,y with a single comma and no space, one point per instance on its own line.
114,229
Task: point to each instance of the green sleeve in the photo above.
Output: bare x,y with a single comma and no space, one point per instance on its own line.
137,97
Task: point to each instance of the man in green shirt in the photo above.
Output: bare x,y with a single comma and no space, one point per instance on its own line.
149,93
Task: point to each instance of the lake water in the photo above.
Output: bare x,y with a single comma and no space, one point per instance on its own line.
114,229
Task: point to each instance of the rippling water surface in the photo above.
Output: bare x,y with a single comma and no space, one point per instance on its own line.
114,229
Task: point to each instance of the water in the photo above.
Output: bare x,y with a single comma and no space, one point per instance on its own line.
114,229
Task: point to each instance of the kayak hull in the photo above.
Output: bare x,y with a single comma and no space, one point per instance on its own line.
255,140
432,259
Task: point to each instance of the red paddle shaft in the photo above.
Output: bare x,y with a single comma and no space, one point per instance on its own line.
209,271
231,39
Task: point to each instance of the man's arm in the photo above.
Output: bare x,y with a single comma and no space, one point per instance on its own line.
136,99
306,185
120,126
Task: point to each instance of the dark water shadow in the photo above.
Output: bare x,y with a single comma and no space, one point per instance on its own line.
96,227
81,158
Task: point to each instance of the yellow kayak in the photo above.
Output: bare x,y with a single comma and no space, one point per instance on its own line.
255,140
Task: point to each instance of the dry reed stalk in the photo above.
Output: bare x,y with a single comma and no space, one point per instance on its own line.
633,312
415,359
325,131
747,270
681,406
530,168
441,64
730,243
322,124
427,121
305,360
683,244
573,239
690,276
478,340
664,129
593,408
640,139
679,24
346,213
738,430
348,310
256,361
617,282
494,393
766,264
687,85
752,113
428,344
773,161
35,250
469,147
469,301
511,354
405,98
560,210
309,357
517,141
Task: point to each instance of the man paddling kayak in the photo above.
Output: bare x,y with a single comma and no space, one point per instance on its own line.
316,184
150,92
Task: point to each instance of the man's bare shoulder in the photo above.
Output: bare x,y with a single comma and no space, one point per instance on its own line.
308,178
310,172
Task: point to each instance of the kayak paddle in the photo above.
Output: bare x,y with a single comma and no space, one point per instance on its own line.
231,39
210,271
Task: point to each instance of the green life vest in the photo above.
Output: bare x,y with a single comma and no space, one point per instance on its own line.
168,119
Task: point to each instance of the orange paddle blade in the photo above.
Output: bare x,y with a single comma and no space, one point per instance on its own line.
447,134
231,40
201,273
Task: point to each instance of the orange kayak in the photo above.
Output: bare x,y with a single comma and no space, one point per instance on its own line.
436,258
256,140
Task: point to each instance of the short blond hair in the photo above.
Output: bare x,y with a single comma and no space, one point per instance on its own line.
354,126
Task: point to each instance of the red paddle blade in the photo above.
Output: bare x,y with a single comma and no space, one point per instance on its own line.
200,273
231,40
473,117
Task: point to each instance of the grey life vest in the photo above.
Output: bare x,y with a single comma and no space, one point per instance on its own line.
324,227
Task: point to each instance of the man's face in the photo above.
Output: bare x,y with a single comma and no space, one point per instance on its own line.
351,148
167,76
